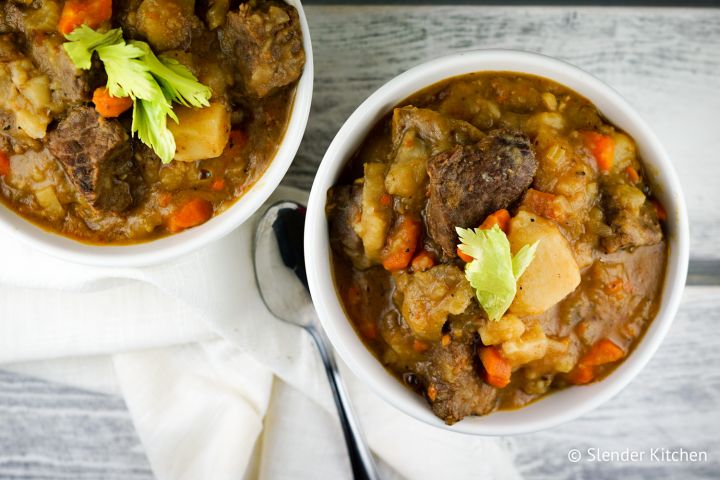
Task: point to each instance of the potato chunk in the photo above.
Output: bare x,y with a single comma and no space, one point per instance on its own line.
507,328
552,274
202,132
532,345
375,217
408,171
430,296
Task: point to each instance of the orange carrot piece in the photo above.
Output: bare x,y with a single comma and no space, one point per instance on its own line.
432,393
581,375
464,256
602,148
632,174
604,351
386,199
368,331
217,185
501,218
423,261
659,210
108,106
544,204
402,244
4,164
419,346
195,212
90,12
497,369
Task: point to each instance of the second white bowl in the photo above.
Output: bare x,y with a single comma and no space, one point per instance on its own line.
557,407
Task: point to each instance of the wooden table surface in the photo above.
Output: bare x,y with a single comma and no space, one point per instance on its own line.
666,62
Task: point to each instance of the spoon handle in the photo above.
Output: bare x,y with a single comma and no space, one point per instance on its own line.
361,460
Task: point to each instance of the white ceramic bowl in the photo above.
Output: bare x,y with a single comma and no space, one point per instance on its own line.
555,408
164,249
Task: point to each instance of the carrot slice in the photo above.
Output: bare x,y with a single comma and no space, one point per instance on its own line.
659,210
497,369
402,245
4,164
419,346
108,106
603,352
501,218
195,212
464,256
602,148
632,174
423,261
581,375
90,12
217,185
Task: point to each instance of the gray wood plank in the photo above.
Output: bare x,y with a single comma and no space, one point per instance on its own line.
51,431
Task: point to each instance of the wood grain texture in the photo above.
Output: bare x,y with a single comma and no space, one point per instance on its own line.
50,431
665,62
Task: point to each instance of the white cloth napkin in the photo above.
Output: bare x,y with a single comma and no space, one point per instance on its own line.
216,386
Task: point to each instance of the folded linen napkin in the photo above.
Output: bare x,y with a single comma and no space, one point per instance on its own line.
216,386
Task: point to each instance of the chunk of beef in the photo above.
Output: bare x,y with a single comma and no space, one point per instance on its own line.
265,43
469,182
96,156
343,212
632,218
455,389
417,134
69,83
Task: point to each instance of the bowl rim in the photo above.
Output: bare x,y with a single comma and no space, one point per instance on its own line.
559,407
170,247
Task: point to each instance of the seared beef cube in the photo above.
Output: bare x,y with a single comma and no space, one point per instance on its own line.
96,156
630,215
70,84
266,43
453,385
343,212
470,182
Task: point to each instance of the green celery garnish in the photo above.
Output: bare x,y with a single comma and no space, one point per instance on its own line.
152,82
493,272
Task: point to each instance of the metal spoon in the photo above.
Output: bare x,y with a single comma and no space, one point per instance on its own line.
280,274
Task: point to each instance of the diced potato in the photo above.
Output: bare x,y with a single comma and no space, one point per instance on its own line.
408,171
624,150
48,200
430,296
507,328
166,24
45,18
552,274
216,13
375,217
37,91
202,132
541,120
532,345
550,101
